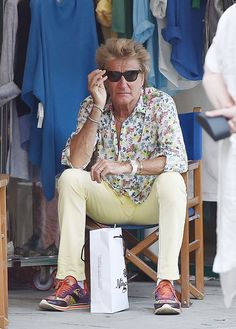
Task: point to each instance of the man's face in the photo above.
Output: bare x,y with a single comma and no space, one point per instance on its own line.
123,92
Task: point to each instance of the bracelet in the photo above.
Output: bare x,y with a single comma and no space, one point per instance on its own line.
94,121
140,168
134,165
97,107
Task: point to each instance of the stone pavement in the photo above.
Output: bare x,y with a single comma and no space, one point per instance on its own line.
203,314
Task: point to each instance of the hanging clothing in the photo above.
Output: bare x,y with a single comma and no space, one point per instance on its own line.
23,110
158,8
185,32
227,4
8,89
214,10
17,160
221,59
176,81
104,19
145,32
61,52
23,11
122,22
103,12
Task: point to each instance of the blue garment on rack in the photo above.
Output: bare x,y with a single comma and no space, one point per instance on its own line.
145,32
185,32
61,52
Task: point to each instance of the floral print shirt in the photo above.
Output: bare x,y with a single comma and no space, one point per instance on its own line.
151,130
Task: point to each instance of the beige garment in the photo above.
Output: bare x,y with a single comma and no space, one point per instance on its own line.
104,17
79,195
103,12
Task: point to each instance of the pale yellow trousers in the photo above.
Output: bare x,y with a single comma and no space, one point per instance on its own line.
79,195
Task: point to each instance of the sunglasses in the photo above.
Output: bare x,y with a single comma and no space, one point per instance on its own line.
115,76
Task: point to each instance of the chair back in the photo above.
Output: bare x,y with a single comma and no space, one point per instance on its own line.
192,134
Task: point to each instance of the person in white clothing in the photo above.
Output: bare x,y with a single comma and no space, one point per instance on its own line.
219,81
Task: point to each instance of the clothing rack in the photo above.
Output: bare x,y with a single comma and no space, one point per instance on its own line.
4,137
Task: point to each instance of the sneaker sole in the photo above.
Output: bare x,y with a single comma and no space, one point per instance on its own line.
51,307
167,309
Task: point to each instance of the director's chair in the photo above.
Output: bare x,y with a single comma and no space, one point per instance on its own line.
138,252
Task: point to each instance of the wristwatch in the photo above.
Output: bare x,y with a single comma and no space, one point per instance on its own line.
134,165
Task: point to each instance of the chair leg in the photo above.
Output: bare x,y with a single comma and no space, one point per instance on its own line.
141,265
184,266
3,257
199,254
199,261
142,247
195,292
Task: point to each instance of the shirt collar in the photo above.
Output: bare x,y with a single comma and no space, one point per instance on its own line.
140,107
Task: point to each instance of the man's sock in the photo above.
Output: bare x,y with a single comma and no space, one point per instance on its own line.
81,284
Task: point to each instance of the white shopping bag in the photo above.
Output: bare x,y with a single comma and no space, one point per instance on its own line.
109,290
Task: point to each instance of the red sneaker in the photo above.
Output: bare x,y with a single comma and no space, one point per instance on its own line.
166,301
68,296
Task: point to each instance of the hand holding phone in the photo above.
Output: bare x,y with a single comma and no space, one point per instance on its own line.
217,127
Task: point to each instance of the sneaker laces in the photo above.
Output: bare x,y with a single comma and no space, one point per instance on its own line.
62,287
165,290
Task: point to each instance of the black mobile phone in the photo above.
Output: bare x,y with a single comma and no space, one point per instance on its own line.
216,127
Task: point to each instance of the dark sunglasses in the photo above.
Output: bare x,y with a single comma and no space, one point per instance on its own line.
129,76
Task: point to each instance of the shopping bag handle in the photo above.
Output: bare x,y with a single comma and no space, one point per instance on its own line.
83,251
86,242
124,242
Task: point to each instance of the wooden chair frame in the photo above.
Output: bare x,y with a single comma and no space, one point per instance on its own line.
3,254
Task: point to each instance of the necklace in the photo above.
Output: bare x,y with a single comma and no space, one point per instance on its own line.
118,119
